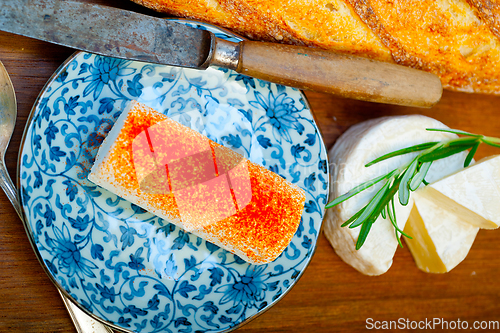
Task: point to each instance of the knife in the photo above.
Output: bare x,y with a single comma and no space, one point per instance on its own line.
128,35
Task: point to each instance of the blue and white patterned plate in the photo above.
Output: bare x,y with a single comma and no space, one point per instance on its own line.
132,269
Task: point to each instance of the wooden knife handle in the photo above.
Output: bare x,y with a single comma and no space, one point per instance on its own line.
343,75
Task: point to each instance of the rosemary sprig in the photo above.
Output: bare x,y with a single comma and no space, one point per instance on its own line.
407,179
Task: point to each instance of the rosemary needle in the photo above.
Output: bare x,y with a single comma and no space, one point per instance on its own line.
407,179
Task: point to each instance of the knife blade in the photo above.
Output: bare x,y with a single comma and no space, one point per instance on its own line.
106,31
128,35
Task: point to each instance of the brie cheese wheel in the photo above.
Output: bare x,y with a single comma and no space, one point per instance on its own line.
441,237
359,145
473,193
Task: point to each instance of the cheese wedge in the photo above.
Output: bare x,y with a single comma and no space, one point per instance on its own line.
473,193
207,189
359,145
441,237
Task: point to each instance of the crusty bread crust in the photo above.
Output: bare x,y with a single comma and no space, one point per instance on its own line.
489,12
328,24
441,36
457,39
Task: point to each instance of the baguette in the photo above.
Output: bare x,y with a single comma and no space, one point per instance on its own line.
183,177
456,39
489,12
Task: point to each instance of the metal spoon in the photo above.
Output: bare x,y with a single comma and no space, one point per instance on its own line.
8,114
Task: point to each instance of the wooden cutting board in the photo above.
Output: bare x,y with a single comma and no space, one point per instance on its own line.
330,296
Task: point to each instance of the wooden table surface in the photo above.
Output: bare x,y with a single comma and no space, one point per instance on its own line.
330,296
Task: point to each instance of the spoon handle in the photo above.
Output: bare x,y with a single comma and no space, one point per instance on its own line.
83,322
9,188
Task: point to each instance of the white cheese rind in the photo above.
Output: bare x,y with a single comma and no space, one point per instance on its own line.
359,145
103,153
474,192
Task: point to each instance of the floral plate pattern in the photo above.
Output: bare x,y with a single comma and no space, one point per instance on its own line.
126,266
